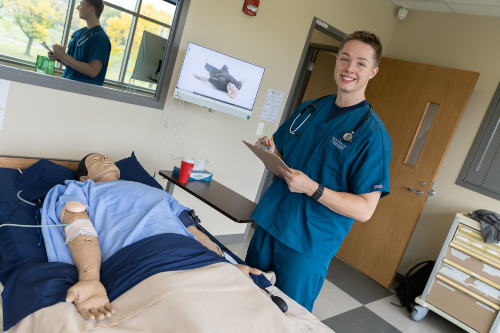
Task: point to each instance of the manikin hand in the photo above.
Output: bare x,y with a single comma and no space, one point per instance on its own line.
247,270
91,300
299,182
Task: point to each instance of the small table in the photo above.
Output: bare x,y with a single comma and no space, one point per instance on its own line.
221,198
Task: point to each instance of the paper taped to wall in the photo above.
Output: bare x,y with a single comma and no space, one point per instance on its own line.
272,105
4,94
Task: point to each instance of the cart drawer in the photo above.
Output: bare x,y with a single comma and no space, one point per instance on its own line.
465,308
486,267
470,281
468,241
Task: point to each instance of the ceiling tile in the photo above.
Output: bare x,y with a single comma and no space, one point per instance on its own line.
475,2
476,10
424,6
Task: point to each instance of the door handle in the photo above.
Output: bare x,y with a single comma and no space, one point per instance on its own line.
417,192
431,193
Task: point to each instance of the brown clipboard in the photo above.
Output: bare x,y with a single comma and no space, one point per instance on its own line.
270,160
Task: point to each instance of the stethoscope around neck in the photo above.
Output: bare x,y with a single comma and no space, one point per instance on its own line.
86,36
346,137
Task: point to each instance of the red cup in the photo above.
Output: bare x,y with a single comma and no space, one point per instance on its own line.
187,165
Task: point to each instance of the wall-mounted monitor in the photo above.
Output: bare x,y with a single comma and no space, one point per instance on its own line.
218,81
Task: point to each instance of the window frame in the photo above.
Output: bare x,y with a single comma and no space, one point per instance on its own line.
156,102
475,146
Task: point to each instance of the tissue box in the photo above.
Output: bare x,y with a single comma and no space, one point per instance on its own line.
203,176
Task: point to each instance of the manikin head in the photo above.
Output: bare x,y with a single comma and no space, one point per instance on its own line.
232,90
89,9
97,167
357,61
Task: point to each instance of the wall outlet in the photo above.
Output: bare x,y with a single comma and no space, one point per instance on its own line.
268,130
259,129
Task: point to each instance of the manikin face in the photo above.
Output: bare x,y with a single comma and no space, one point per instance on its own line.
84,10
355,67
100,169
232,90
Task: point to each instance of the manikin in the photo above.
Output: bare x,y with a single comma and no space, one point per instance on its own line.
82,239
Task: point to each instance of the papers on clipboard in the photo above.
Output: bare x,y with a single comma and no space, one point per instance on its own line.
270,160
46,46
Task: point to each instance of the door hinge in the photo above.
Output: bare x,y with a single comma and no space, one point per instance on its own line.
310,66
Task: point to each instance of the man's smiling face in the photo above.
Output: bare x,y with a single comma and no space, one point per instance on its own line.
355,66
100,168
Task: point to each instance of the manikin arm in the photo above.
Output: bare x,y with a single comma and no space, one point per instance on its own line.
89,295
202,238
202,78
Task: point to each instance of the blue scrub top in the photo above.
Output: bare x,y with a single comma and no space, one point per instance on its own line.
358,167
94,44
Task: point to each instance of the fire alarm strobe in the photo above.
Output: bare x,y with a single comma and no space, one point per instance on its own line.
250,7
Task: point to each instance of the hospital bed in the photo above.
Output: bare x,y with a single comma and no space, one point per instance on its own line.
211,298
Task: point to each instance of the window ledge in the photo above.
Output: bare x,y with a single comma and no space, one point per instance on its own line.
30,65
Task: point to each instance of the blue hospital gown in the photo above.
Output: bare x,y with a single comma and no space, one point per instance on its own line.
123,213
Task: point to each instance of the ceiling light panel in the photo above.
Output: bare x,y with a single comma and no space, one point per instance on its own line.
476,10
424,6
475,2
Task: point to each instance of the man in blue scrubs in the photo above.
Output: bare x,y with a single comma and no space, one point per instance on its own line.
304,217
89,48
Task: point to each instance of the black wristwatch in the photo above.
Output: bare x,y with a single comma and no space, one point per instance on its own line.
318,193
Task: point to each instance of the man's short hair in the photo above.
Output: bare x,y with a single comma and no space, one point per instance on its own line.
367,38
82,168
98,6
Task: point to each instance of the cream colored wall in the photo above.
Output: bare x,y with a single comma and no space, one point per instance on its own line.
463,42
50,123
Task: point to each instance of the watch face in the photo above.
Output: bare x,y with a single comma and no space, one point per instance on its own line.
347,137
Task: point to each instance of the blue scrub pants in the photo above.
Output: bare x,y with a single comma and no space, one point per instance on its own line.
298,276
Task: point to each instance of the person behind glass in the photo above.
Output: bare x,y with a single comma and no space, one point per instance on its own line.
89,48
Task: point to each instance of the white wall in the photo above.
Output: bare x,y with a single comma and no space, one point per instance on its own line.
464,42
49,123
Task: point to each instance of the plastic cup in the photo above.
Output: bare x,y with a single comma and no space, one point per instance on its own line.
187,165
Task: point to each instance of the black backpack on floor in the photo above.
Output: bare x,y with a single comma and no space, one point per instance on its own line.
413,286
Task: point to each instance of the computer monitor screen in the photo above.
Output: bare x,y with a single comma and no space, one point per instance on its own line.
219,78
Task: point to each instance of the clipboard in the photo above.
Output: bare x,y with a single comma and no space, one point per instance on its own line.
270,160
46,46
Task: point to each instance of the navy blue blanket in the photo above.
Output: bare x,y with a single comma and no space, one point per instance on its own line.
36,285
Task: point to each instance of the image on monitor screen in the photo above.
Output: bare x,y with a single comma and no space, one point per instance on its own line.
214,75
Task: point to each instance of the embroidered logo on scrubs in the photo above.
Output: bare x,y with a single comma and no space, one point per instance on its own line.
337,143
378,186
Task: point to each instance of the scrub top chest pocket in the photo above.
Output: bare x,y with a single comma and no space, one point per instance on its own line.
327,165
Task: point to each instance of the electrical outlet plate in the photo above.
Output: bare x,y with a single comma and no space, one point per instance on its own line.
260,128
268,130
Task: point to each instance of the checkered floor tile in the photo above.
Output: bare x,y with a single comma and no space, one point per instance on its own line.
352,302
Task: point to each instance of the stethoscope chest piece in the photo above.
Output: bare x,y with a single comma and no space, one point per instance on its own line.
347,137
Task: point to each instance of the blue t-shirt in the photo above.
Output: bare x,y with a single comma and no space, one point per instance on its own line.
358,167
336,110
86,45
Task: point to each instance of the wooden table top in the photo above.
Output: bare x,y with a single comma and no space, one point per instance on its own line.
221,198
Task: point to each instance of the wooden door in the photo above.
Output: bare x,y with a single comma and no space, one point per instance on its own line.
321,82
401,94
